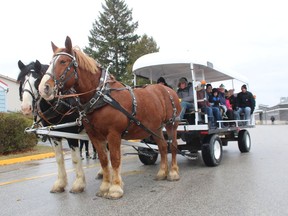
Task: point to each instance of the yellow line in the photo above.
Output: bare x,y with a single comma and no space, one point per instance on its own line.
68,171
26,179
27,158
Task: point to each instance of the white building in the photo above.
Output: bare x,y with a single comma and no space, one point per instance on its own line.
9,95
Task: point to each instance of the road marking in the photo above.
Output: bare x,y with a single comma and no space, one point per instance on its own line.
69,171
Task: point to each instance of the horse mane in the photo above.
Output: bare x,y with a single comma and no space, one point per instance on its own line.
85,62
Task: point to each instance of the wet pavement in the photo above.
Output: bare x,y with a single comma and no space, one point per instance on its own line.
253,183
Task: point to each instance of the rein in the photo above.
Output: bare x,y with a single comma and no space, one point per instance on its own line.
53,111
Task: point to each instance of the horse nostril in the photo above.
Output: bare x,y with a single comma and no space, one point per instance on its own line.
46,89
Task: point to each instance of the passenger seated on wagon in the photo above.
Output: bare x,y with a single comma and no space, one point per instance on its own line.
229,112
162,81
245,103
186,97
214,98
203,103
222,105
215,110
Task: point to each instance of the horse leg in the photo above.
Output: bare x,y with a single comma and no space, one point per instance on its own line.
100,146
116,188
174,170
61,182
79,183
99,174
162,147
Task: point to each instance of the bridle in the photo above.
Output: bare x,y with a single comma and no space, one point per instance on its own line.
30,91
59,83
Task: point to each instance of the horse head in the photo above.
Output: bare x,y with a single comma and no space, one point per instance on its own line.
29,78
64,71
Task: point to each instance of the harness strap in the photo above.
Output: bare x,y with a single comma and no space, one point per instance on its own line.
134,106
117,106
53,110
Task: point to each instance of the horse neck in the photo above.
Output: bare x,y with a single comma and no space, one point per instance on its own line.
87,82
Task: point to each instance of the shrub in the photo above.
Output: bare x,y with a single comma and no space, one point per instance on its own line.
12,136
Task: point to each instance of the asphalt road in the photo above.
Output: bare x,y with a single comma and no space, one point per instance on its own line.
253,183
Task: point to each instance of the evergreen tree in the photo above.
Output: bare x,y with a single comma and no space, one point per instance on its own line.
144,45
112,36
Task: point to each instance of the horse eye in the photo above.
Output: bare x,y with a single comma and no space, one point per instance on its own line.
62,62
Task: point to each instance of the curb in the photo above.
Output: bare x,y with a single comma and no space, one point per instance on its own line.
27,158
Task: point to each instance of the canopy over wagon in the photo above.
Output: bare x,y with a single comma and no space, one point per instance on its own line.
176,65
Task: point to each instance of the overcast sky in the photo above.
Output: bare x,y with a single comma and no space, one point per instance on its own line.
247,36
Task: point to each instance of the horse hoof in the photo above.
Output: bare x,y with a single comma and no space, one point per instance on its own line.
100,194
173,178
74,191
115,193
99,176
113,197
59,190
160,178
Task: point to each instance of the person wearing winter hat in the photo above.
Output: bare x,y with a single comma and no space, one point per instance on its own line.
185,94
162,81
245,103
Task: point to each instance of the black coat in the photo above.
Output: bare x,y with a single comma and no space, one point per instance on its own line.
245,100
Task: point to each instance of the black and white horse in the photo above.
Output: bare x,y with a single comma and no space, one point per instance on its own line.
52,112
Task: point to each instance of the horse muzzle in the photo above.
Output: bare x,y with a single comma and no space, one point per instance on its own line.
46,88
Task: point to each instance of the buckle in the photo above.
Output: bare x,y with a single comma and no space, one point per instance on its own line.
92,101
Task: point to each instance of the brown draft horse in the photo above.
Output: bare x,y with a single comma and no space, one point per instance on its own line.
149,110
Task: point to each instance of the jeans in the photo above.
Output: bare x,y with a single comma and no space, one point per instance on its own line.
246,111
184,106
213,114
216,114
208,111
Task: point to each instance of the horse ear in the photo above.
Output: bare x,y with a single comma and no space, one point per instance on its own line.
68,44
37,66
21,65
54,47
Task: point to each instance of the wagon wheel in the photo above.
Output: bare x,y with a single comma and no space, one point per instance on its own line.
147,156
244,141
212,150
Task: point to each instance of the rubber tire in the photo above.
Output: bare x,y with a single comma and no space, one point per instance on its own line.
244,141
146,160
212,150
